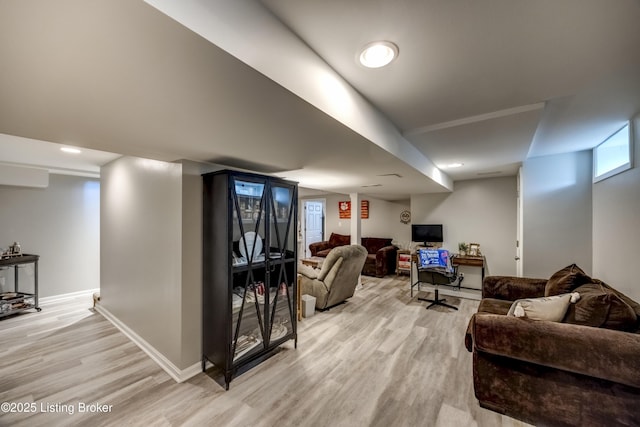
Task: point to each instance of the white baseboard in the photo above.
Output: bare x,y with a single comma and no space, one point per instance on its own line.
55,298
463,293
445,290
179,375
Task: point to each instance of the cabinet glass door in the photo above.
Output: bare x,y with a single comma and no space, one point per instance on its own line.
249,204
281,261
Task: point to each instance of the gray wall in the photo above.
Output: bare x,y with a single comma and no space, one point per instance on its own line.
481,211
616,226
141,250
61,223
557,213
383,221
191,269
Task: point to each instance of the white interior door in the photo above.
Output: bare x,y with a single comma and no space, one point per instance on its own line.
519,233
314,223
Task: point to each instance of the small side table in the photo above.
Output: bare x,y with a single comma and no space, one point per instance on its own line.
17,298
403,262
470,261
314,261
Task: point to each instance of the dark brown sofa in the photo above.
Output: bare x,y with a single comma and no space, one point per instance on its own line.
381,254
322,249
578,372
381,257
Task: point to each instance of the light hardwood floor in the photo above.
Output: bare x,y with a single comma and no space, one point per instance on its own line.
381,359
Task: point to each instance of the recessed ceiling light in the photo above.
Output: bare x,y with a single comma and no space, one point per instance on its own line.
378,54
70,150
455,165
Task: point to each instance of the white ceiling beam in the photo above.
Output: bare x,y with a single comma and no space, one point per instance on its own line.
21,176
474,119
246,30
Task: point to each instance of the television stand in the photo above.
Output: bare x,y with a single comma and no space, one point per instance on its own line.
470,261
431,245
437,301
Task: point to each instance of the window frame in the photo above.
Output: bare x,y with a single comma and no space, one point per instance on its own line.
624,167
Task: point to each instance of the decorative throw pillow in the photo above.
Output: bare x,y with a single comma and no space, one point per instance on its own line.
545,308
339,240
374,244
566,280
599,306
634,305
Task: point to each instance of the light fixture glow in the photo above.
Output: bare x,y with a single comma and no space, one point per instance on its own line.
455,165
70,150
378,54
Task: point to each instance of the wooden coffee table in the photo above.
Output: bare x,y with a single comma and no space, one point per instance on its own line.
314,261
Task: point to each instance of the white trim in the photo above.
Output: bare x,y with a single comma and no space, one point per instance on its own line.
56,298
520,225
612,172
179,375
446,290
474,119
303,223
624,167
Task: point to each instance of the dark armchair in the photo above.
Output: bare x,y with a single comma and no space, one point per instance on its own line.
381,257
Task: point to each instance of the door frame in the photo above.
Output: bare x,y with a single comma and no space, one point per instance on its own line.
304,250
519,226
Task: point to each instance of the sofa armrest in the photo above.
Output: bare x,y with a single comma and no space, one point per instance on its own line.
319,246
386,252
596,352
308,271
511,288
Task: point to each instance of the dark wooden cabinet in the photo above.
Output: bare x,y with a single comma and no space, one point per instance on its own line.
249,268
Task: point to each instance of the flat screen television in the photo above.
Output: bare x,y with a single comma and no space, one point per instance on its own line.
426,233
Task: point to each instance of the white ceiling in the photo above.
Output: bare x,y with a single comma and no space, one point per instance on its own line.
484,82
467,70
18,151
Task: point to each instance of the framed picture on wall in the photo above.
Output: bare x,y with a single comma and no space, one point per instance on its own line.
474,249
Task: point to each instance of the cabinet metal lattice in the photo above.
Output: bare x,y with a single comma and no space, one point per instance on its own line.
249,268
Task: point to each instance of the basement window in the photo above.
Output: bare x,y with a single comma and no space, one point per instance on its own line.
613,155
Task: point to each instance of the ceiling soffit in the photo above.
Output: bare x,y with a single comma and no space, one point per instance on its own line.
238,27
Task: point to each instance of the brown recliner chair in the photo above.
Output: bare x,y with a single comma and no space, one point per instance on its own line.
337,279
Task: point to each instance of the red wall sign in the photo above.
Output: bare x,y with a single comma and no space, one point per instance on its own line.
344,209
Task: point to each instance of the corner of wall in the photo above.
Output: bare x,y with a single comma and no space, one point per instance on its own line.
140,250
616,209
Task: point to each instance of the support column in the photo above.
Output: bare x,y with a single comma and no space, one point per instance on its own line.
356,221
356,225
